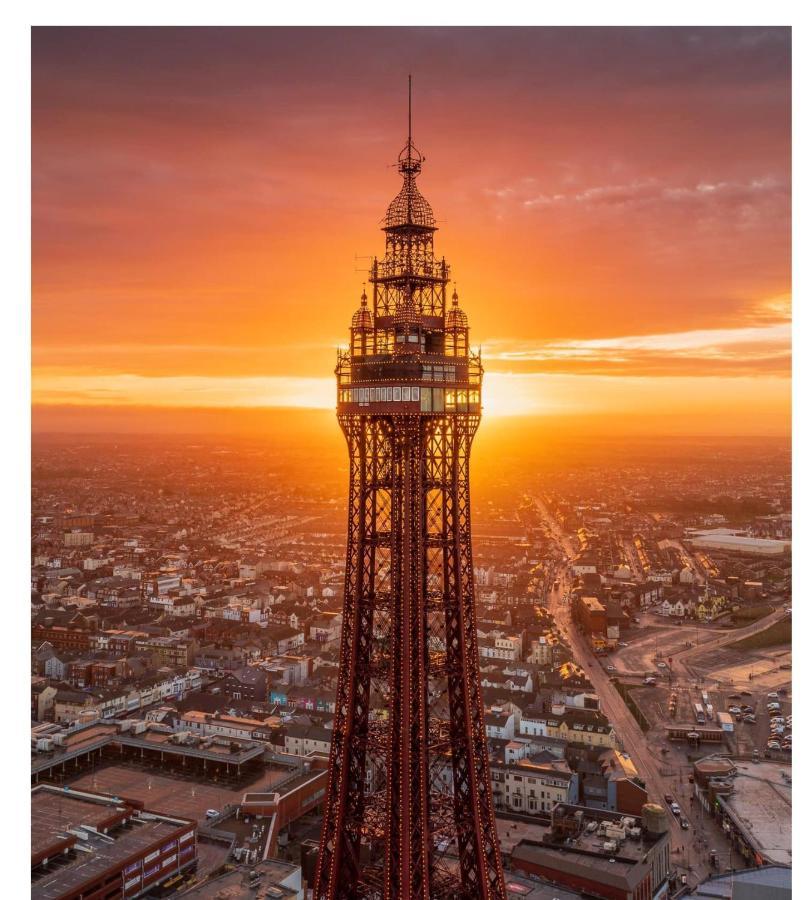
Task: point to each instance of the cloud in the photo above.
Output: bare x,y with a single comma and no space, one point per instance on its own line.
743,350
651,191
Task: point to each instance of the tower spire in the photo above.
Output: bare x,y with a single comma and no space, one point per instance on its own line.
409,110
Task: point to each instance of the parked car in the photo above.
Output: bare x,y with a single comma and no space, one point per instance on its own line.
211,813
610,668
751,720
675,808
772,695
734,710
684,824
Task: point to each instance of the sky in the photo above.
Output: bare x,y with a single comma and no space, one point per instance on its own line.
614,204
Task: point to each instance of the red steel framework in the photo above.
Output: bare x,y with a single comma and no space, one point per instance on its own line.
408,810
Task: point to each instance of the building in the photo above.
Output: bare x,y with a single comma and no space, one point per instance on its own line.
177,653
726,539
591,616
765,883
579,726
532,788
86,846
599,853
753,801
42,699
301,740
247,683
271,878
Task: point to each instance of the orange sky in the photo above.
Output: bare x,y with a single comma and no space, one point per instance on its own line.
615,205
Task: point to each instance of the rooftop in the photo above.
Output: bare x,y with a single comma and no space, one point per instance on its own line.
583,838
761,807
60,818
273,878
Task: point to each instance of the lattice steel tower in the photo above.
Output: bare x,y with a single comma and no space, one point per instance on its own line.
408,811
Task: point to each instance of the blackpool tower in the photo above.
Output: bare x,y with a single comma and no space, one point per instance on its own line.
408,808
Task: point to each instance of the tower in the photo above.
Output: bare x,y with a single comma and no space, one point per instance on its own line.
408,808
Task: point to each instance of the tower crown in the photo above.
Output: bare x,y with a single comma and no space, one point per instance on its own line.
409,206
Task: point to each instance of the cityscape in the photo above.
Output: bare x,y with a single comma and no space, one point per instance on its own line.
420,629
633,626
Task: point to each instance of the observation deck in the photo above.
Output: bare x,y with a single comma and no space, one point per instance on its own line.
387,385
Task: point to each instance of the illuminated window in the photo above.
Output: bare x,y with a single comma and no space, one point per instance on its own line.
397,394
406,394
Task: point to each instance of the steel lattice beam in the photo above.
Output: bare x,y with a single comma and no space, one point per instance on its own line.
409,706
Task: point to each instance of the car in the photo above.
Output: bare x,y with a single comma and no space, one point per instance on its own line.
211,813
610,668
734,696
747,709
661,665
751,720
734,710
622,644
675,808
777,720
773,695
684,824
746,693
668,798
773,745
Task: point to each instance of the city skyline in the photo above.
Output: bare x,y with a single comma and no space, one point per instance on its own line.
619,211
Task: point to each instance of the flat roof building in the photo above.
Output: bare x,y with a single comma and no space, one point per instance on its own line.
754,803
600,853
85,845
725,539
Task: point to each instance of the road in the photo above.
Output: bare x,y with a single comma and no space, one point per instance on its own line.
679,659
695,841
